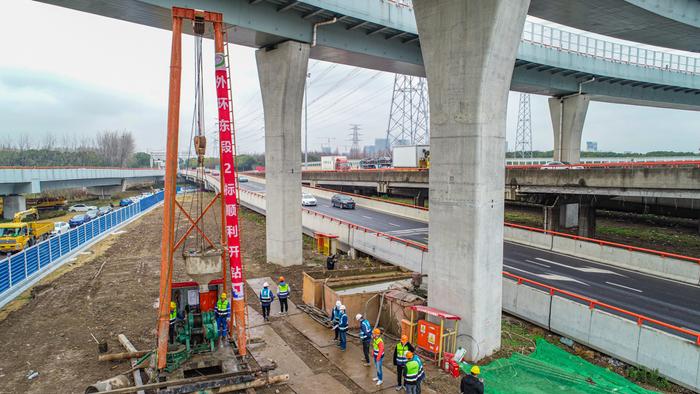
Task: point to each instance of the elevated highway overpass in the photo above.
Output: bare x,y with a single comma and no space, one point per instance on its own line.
382,35
570,196
571,68
471,52
17,181
615,179
584,281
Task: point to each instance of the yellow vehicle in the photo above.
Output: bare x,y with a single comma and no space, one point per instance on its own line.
17,235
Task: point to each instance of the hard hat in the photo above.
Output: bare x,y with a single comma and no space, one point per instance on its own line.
281,278
409,354
266,284
338,303
404,338
376,331
475,370
342,307
358,316
173,305
223,296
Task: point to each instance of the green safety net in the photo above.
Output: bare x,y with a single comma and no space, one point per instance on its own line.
550,369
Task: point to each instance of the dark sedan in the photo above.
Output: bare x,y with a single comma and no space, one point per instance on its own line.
342,201
77,220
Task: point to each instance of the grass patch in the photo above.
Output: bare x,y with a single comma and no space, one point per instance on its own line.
646,376
515,337
524,218
651,235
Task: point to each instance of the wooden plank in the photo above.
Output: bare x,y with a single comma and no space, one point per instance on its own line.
137,372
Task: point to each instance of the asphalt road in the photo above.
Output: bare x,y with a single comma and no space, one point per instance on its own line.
666,300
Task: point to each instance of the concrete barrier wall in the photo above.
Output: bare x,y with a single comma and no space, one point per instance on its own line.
676,358
381,247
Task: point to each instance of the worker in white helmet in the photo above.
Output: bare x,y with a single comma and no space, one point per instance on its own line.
365,336
343,328
335,318
266,298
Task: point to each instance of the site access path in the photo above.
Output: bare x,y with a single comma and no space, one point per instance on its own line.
666,300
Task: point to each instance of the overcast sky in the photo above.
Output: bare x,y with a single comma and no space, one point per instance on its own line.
73,74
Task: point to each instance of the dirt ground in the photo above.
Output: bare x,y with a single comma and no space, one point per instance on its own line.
50,329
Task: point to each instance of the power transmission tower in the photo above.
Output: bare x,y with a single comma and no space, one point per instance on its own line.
355,138
408,117
523,132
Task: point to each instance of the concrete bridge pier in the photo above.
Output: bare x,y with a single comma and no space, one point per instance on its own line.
565,215
568,117
468,49
12,204
282,73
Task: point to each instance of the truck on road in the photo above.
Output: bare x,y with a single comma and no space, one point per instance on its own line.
18,235
335,163
411,156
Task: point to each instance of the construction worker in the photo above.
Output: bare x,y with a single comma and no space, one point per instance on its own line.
335,318
222,313
411,373
421,372
365,336
343,328
282,294
378,354
472,384
173,319
266,298
400,359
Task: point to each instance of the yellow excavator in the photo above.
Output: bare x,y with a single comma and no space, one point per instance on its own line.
18,235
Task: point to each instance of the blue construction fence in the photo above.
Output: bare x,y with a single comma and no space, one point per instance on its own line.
18,268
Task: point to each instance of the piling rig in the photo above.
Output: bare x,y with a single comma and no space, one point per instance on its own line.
213,262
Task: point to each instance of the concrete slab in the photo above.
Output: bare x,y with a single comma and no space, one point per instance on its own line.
349,361
274,346
257,284
301,378
322,383
319,335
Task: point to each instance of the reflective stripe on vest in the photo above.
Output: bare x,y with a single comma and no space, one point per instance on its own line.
401,350
412,371
265,295
343,324
283,291
375,345
365,329
173,316
222,307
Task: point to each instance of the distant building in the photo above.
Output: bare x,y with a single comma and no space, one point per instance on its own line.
591,146
370,150
326,149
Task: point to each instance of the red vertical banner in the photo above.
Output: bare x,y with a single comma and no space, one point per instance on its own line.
228,174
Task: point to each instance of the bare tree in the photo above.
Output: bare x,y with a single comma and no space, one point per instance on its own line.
115,147
49,142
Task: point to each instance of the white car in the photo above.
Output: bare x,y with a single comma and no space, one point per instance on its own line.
307,200
81,208
60,228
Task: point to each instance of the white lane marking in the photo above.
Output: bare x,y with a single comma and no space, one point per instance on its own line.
366,217
548,276
624,287
534,262
395,225
518,269
562,278
409,231
590,270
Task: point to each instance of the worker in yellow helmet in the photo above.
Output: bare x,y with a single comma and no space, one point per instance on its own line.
472,384
378,354
222,312
173,319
